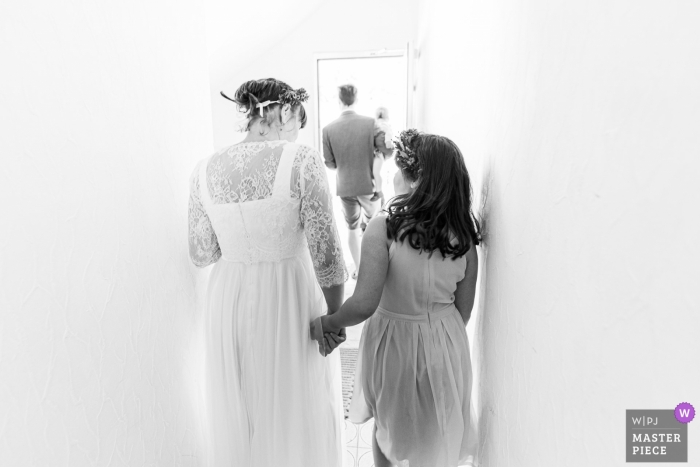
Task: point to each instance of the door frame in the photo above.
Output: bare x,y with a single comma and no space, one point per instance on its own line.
407,53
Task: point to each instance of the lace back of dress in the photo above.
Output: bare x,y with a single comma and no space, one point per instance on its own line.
265,202
249,200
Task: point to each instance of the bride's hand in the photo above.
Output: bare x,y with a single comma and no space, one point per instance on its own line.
327,341
316,333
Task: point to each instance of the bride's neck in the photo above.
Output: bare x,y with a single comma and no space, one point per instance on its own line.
259,134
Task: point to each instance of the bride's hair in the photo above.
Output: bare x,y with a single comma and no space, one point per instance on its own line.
253,92
437,215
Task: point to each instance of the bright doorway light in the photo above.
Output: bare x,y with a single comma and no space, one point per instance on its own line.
382,79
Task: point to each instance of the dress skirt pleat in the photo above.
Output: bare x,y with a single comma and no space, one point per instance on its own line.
414,377
273,399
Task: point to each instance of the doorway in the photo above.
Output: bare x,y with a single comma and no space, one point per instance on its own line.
382,78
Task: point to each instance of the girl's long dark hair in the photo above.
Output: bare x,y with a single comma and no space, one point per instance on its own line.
438,214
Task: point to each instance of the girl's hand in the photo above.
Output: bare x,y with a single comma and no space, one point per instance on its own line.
341,335
333,340
327,341
325,322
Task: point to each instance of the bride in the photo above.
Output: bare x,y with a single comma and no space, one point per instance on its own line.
261,210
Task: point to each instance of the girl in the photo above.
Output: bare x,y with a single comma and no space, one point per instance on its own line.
416,285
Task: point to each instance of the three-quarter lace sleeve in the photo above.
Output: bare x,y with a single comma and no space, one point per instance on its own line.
204,246
318,221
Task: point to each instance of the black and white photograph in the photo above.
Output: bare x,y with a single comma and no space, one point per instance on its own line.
368,233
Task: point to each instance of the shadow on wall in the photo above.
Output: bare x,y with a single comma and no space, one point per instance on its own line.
484,202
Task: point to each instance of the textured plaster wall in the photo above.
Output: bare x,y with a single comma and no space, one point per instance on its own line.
580,120
329,26
104,109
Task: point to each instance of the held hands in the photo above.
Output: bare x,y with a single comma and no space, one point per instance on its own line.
327,341
332,340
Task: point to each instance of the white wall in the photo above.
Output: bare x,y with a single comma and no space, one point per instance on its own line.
329,26
239,33
581,120
104,112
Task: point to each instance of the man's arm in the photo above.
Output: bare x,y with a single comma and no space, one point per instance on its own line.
328,152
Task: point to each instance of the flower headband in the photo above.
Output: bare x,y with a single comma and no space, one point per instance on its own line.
290,96
293,97
405,153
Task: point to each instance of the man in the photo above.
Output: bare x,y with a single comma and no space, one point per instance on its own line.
349,143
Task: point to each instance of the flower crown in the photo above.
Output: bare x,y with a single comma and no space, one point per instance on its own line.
405,153
293,96
289,96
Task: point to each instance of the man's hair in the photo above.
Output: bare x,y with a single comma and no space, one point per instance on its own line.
347,94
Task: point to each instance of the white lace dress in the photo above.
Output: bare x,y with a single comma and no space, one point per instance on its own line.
262,212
